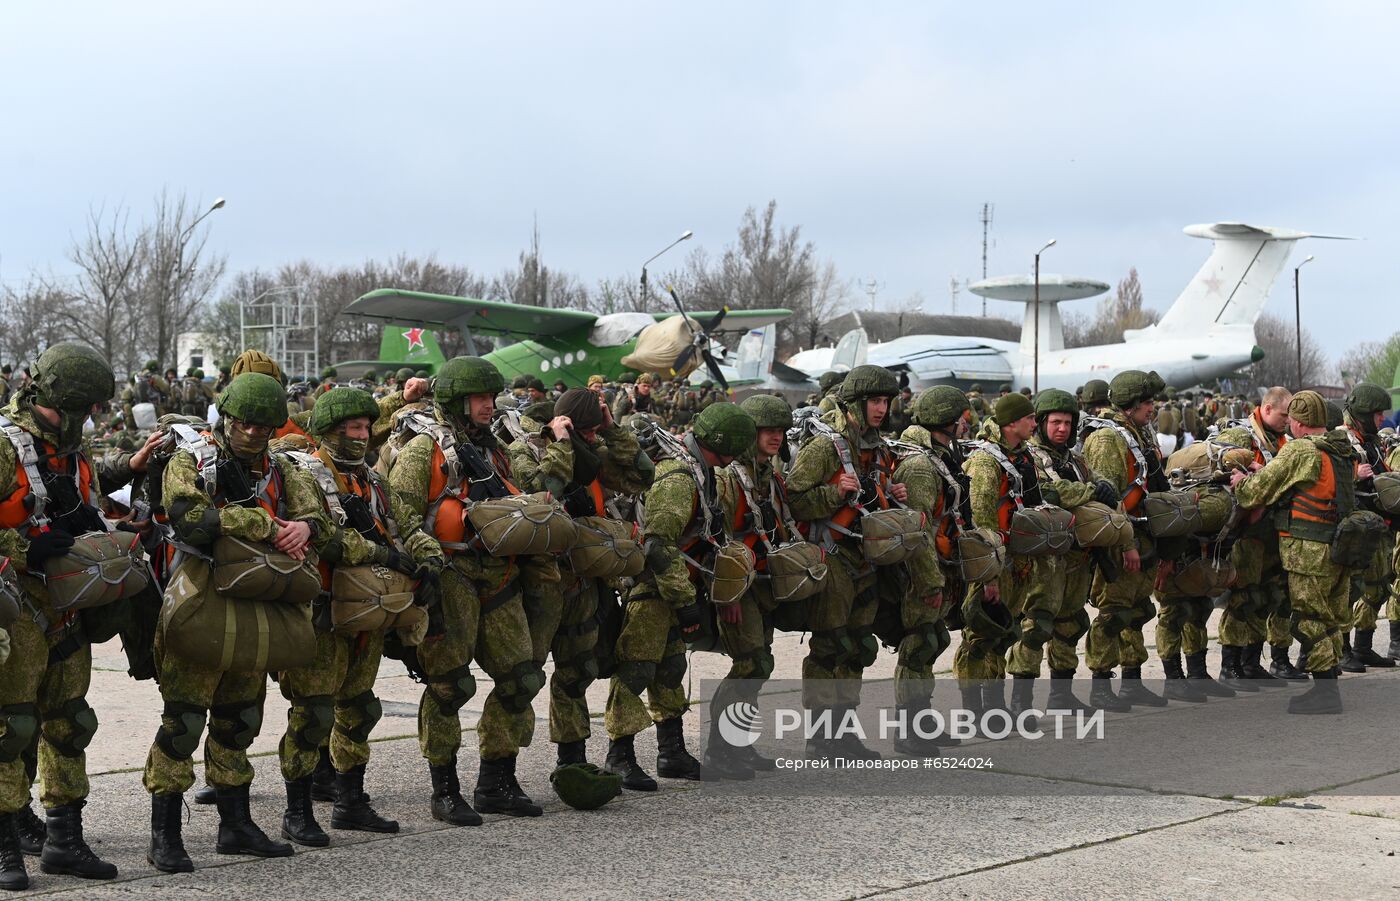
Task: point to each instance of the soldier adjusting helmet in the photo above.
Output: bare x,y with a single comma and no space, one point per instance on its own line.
725,429
940,405
1367,399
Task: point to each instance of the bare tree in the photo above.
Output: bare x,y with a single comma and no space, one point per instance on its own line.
176,275
1115,314
33,318
1278,339
109,259
828,296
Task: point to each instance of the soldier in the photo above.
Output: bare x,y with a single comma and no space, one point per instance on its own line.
328,376
259,497
1061,467
844,469
900,408
683,407
51,495
828,384
191,395
1095,397
1120,449
560,386
684,522
596,384
1312,479
333,697
755,501
977,402
1365,408
440,459
534,391
1257,607
225,376
939,487
147,387
584,458
402,377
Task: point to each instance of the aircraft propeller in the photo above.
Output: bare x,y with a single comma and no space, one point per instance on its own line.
700,343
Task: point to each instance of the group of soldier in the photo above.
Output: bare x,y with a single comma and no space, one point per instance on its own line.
463,504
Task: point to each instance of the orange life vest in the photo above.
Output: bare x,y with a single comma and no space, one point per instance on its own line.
1315,509
15,509
447,504
870,461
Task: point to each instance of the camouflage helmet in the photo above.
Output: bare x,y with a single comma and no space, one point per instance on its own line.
404,374
254,398
339,404
1095,391
583,786
420,374
707,384
152,366
189,372
1366,398
1053,400
226,369
256,361
328,373
976,388
939,406
767,411
725,429
520,382
371,376
1130,387
199,374
829,379
461,377
628,378
72,377
868,381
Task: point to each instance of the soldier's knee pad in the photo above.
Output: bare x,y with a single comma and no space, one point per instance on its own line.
636,675
1042,626
931,640
453,689
670,671
520,686
763,664
1141,613
319,711
82,726
179,739
1079,623
370,710
235,725
21,722
832,647
867,648
575,675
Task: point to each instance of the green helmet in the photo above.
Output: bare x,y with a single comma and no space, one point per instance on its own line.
1053,400
1095,392
404,374
725,429
829,379
189,372
461,377
199,374
1132,386
976,387
328,372
583,786
868,381
254,398
1366,399
152,366
536,383
939,406
1171,393
520,381
371,376
339,404
423,373
628,378
1004,388
225,370
767,411
72,376
707,384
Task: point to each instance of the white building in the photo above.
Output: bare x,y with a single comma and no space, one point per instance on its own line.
195,349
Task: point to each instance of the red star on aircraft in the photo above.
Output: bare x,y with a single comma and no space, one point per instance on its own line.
415,337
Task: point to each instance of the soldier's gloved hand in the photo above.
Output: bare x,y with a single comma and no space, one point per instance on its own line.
658,556
869,497
45,546
690,617
437,621
429,591
1106,494
398,561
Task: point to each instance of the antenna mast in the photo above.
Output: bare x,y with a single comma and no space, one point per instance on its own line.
986,219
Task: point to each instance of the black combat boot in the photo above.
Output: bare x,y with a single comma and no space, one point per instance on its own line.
494,793
167,851
205,795
1134,692
12,875
30,830
1252,668
724,761
622,760
1324,697
673,761
448,804
1199,675
849,745
1022,700
1282,667
1350,663
512,781
1102,697
323,778
299,821
1232,669
1178,687
65,853
1365,654
352,809
911,743
971,692
1062,695
571,752
238,834
1393,652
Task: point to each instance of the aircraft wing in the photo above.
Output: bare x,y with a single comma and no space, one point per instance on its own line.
734,320
482,317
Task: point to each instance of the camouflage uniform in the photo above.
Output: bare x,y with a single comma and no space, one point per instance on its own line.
1370,587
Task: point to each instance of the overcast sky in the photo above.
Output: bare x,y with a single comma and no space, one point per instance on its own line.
341,131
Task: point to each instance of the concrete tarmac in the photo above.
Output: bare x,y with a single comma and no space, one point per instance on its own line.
1046,835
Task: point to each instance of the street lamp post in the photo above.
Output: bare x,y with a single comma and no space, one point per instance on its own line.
686,236
1035,332
177,269
1298,321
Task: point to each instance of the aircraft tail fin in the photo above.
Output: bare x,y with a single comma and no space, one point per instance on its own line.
1234,283
850,350
754,357
410,345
